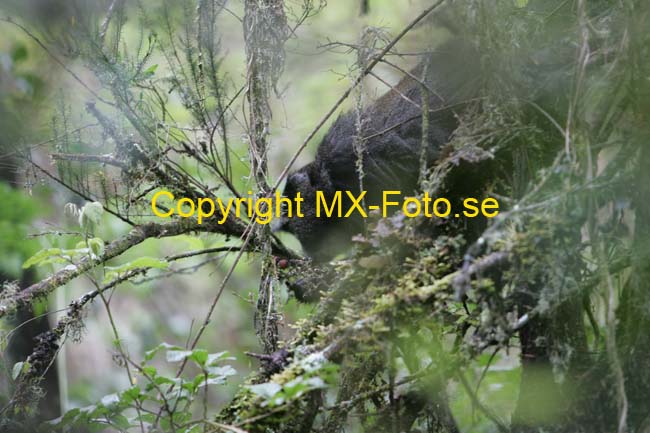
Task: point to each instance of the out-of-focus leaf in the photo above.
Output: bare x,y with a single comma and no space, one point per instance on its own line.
96,246
91,213
19,367
177,355
150,71
213,358
148,356
265,390
223,371
19,53
110,400
54,255
200,356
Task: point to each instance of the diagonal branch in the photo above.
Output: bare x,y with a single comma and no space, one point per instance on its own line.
114,249
371,64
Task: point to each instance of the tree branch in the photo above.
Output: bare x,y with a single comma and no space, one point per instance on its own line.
114,249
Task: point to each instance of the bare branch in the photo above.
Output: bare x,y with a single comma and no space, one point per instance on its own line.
107,159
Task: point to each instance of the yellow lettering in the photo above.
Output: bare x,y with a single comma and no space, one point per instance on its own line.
490,203
225,212
435,207
279,200
201,214
155,209
356,204
238,204
263,210
249,204
180,210
385,203
299,200
467,205
320,197
427,201
405,207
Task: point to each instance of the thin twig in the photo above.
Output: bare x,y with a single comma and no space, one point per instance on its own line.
107,21
226,249
43,143
107,159
395,89
79,193
345,94
487,412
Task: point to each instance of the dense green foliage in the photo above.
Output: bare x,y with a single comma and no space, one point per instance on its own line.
534,321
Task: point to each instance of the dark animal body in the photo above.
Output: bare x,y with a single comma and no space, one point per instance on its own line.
391,136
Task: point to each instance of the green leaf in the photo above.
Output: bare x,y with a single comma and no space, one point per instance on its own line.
299,385
96,246
162,380
68,419
69,416
213,358
56,255
41,256
110,400
178,394
150,71
130,395
265,390
210,381
121,422
150,371
521,3
19,53
91,213
95,427
200,356
224,371
148,417
177,355
295,389
148,356
100,410
19,368
190,386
